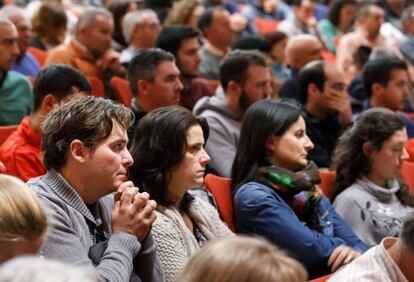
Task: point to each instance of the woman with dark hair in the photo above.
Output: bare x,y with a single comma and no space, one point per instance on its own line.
368,193
276,193
278,41
339,21
168,149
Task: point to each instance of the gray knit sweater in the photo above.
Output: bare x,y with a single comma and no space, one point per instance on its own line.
373,212
176,243
73,228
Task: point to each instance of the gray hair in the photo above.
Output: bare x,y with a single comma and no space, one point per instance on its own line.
134,18
380,52
37,269
10,11
144,66
88,17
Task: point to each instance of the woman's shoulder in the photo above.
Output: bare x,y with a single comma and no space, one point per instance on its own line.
256,194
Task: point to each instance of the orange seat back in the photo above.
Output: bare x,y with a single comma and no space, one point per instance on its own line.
98,89
407,173
410,149
220,188
6,131
327,182
321,279
40,55
122,91
265,25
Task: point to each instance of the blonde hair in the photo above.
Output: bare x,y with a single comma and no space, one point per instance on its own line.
242,259
181,12
22,217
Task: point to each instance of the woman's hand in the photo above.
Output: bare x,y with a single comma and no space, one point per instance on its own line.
340,256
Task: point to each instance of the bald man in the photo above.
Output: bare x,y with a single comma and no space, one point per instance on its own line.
25,62
300,50
15,91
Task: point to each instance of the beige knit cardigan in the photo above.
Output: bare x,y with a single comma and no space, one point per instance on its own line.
176,243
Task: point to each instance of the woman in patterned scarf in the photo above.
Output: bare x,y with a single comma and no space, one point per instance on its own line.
276,193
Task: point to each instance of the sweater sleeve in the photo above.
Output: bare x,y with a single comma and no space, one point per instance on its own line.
171,249
146,264
65,243
261,211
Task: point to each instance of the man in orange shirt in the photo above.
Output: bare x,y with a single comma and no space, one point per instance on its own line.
20,153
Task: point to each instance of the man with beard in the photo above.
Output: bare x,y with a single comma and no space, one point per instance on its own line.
245,78
184,43
327,108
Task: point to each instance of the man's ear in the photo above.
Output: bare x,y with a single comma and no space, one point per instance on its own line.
78,151
234,87
313,90
142,86
376,88
367,149
48,103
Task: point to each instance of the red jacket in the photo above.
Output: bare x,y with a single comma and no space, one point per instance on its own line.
20,153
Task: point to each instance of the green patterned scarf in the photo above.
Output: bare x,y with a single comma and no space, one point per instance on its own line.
300,189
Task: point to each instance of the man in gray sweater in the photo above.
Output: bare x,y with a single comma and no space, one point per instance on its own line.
85,152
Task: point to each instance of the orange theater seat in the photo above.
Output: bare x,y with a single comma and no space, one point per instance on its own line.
98,89
220,188
321,279
5,132
410,149
122,91
40,55
407,173
327,182
265,25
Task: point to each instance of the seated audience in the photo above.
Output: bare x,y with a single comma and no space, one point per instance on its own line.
39,269
168,148
119,9
20,152
89,50
184,12
245,78
391,260
154,80
48,26
327,108
242,259
406,47
368,21
276,193
184,43
386,84
15,91
25,62
84,147
140,29
265,9
214,23
300,50
23,221
303,20
340,21
368,193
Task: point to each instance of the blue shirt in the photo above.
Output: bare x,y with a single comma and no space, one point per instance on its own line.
260,210
27,65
